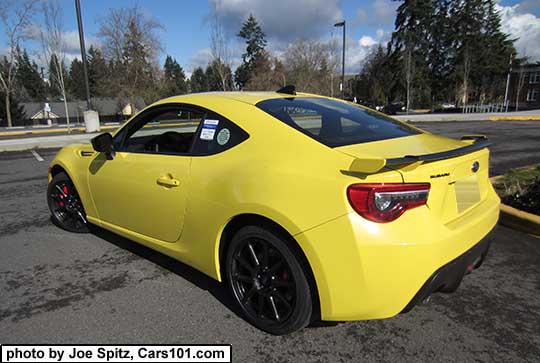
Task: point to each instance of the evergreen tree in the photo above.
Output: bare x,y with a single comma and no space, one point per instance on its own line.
174,79
138,71
410,46
213,76
28,78
255,43
497,49
75,85
467,26
439,50
17,111
198,81
54,89
372,84
98,74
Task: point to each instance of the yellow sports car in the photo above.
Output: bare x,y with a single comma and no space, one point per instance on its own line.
307,207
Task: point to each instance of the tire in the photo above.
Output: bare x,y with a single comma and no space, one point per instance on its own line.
67,211
267,281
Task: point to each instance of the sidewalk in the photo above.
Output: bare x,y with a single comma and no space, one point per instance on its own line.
532,115
43,142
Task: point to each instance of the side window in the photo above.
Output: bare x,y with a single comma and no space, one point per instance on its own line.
216,135
165,130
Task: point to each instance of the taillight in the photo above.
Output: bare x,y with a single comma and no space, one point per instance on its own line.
386,202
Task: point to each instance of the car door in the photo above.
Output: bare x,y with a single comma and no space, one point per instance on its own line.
143,188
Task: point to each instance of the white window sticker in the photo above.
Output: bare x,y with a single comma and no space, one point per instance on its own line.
223,136
209,129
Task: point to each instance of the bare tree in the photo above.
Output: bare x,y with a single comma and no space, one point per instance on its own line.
54,46
220,49
131,45
467,65
15,17
409,71
333,61
114,32
307,65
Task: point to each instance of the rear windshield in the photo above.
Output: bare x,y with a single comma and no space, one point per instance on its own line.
334,123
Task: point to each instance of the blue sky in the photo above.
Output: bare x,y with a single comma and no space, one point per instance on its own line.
186,23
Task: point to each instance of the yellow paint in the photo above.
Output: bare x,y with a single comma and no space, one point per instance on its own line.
515,118
363,270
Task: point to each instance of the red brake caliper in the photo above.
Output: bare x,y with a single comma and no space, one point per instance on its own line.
65,190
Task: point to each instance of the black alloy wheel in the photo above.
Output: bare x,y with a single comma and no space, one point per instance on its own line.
67,211
267,281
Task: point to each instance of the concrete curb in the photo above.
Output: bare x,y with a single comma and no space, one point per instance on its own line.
518,219
52,131
514,118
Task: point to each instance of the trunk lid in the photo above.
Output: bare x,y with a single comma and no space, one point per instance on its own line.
458,183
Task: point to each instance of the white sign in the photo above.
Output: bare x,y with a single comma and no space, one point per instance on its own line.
209,129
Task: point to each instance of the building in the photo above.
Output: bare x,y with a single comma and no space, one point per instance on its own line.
109,109
524,87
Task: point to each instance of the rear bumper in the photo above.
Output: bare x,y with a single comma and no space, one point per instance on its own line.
367,270
449,277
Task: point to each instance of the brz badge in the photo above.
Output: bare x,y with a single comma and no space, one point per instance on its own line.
475,166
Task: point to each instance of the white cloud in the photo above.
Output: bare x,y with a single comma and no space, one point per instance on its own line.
201,58
523,26
366,41
72,44
529,6
281,20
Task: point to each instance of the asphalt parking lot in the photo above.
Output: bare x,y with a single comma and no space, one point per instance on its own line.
57,287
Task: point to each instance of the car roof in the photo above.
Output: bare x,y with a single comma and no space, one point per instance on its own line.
251,98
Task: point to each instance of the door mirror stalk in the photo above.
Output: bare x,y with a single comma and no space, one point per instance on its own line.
104,143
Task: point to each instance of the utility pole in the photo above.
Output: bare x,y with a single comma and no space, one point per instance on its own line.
342,86
507,84
83,53
91,118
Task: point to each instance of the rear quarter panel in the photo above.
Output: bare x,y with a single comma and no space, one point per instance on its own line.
278,173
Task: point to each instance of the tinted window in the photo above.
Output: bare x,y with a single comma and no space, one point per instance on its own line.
334,123
217,134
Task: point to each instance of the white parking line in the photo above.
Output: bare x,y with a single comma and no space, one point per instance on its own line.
36,155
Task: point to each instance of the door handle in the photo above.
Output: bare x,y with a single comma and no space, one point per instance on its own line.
168,181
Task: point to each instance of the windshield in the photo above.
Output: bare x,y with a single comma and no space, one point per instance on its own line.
335,123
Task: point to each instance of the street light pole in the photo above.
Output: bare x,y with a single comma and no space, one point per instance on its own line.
83,54
342,24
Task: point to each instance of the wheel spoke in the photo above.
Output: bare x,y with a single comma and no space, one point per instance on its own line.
243,278
277,266
265,254
274,307
283,301
83,219
249,294
281,283
61,190
253,254
244,263
260,307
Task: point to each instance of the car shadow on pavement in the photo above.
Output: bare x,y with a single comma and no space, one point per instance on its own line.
197,278
215,288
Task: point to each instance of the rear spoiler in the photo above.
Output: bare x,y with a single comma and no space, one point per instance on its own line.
373,165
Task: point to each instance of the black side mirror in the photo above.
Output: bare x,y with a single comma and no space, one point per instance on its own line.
104,143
